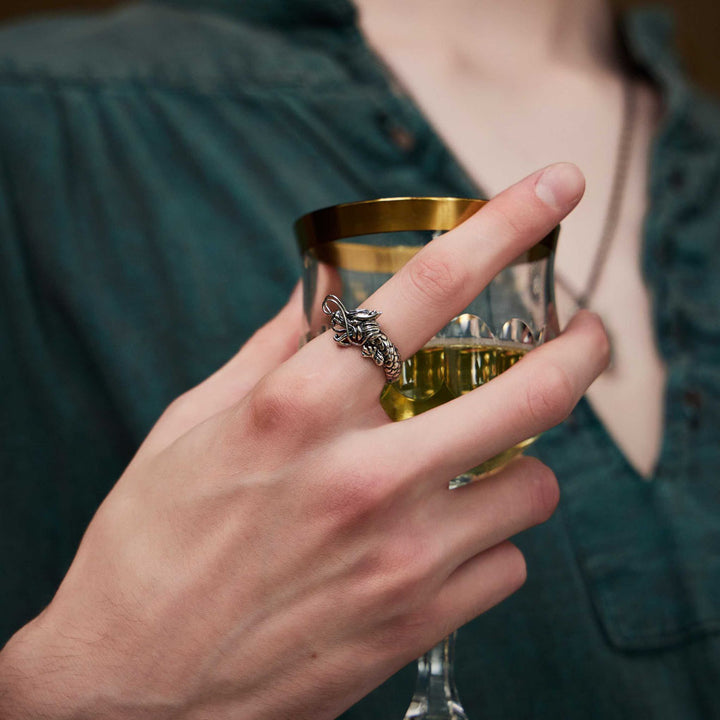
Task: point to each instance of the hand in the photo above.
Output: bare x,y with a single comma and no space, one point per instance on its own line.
278,547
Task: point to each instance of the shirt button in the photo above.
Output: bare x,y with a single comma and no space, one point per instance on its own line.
693,400
402,137
399,135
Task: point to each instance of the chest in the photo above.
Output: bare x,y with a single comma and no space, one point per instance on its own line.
501,134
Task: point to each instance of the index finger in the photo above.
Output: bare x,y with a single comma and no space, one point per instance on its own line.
448,273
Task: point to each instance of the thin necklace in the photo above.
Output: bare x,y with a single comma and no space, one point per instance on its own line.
617,191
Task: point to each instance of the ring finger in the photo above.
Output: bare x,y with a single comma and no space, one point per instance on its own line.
443,278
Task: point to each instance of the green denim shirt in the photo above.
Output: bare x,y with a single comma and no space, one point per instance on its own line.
152,160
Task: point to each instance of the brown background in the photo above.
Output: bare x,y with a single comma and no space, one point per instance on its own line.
698,24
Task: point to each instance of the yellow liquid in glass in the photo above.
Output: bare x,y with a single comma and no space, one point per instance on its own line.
439,373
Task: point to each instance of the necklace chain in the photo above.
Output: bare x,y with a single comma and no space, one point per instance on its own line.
612,215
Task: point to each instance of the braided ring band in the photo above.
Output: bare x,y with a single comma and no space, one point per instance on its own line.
359,327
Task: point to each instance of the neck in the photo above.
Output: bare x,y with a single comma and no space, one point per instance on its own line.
512,37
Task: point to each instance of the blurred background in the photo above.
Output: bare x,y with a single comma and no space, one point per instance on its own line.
698,26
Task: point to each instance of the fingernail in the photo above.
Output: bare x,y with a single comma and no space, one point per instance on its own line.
560,186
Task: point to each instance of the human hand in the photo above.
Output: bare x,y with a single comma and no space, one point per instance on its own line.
278,547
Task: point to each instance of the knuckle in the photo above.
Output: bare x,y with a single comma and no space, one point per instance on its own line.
400,572
353,498
271,407
282,402
433,278
403,575
407,633
551,396
543,491
412,561
402,637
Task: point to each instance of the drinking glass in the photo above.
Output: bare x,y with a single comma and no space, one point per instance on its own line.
350,250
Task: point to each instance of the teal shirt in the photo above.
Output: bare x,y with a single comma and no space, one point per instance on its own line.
152,160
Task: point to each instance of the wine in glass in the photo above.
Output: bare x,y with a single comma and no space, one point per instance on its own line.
350,250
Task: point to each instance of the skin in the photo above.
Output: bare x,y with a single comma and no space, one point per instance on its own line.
252,563
511,86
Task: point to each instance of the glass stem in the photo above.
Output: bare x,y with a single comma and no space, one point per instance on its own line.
435,696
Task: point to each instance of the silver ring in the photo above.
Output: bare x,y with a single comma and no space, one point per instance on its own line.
359,327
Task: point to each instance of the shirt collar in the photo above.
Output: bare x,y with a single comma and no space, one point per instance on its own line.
648,32
649,35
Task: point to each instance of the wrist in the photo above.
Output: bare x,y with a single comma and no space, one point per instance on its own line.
39,677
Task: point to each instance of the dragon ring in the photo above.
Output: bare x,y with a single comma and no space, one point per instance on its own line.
359,327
